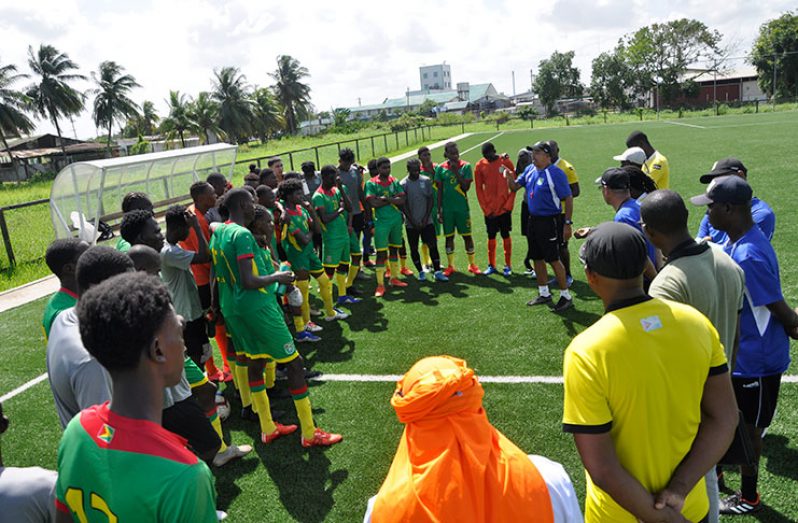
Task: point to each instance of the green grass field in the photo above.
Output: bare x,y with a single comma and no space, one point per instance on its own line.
481,319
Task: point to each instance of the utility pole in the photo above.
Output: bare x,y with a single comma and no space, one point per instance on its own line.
513,83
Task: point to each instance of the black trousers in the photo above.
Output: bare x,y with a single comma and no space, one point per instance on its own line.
427,235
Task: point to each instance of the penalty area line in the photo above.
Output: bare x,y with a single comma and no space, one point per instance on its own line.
684,124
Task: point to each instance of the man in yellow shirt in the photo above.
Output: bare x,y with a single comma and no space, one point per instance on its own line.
648,396
656,165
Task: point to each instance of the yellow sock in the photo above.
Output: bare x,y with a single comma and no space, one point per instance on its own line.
325,289
353,270
340,280
299,323
217,426
233,374
243,385
403,262
260,399
471,260
304,287
381,275
394,269
270,374
425,258
450,257
305,415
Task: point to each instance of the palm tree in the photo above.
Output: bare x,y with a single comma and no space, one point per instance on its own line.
204,112
148,118
179,119
13,104
52,97
293,95
231,92
266,114
112,103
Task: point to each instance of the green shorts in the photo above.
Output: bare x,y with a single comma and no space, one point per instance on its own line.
335,251
459,219
194,374
304,260
262,333
387,234
354,244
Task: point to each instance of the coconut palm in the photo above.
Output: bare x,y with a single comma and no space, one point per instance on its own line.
204,112
231,92
179,119
148,118
13,104
111,103
293,95
267,118
52,97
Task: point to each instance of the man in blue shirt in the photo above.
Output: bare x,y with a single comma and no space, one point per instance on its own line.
766,322
763,215
547,188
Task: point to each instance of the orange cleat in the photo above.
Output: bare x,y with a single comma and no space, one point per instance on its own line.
406,272
322,439
387,273
473,269
281,430
397,283
380,291
448,271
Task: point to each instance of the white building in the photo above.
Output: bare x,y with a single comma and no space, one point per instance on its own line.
435,77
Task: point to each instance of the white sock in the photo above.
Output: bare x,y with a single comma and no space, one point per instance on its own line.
565,294
543,290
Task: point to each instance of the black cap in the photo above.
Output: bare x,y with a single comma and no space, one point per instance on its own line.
614,178
542,146
615,250
724,167
636,137
725,189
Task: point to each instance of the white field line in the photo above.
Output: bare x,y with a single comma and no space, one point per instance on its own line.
683,124
379,378
435,145
480,143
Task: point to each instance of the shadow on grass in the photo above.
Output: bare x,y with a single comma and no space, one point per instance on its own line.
782,460
771,515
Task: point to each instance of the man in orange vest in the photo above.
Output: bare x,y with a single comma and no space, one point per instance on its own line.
453,465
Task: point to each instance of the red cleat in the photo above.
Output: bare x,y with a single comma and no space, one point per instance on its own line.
380,291
397,283
281,430
406,272
473,269
322,439
448,271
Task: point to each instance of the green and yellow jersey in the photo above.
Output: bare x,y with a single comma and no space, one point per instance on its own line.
230,243
112,468
431,175
60,301
454,199
376,188
299,220
656,166
329,202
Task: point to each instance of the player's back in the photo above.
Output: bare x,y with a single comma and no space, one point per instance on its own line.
114,468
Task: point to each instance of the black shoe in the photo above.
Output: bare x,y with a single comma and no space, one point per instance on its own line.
248,414
310,374
563,304
352,291
277,393
540,300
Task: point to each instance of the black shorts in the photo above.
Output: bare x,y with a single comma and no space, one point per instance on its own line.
195,336
502,223
757,398
186,419
205,295
524,216
543,233
359,222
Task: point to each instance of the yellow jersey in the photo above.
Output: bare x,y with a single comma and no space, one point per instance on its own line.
638,374
656,166
569,171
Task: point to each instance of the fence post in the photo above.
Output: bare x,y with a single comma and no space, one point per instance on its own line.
291,160
373,152
357,148
757,106
258,160
407,137
415,134
462,127
318,164
7,239
385,141
396,136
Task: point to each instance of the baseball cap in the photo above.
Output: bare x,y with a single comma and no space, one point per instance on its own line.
614,178
524,151
723,167
725,189
634,155
543,146
615,250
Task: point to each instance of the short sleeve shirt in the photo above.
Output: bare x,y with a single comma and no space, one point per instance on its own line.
629,213
568,169
454,199
763,216
162,479
176,274
229,244
638,374
329,202
657,167
352,181
419,193
201,271
545,188
764,345
377,187
26,494
298,221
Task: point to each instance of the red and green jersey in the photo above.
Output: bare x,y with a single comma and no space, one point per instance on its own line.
60,301
453,196
330,201
377,187
230,243
298,221
266,265
113,468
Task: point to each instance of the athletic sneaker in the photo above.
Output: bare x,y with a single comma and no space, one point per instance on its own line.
315,312
339,315
394,282
322,439
280,430
387,273
448,271
422,275
406,271
347,300
563,304
473,269
370,264
379,292
312,327
222,406
490,270
440,276
507,271
540,300
217,376
306,337
736,504
569,280
531,273
232,452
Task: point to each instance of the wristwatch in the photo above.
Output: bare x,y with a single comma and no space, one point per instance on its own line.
568,222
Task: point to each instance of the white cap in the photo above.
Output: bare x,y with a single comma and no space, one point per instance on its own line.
634,155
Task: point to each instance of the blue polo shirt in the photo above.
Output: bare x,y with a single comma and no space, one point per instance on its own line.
629,213
764,345
545,188
762,214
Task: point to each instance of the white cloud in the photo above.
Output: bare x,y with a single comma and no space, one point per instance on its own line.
353,49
